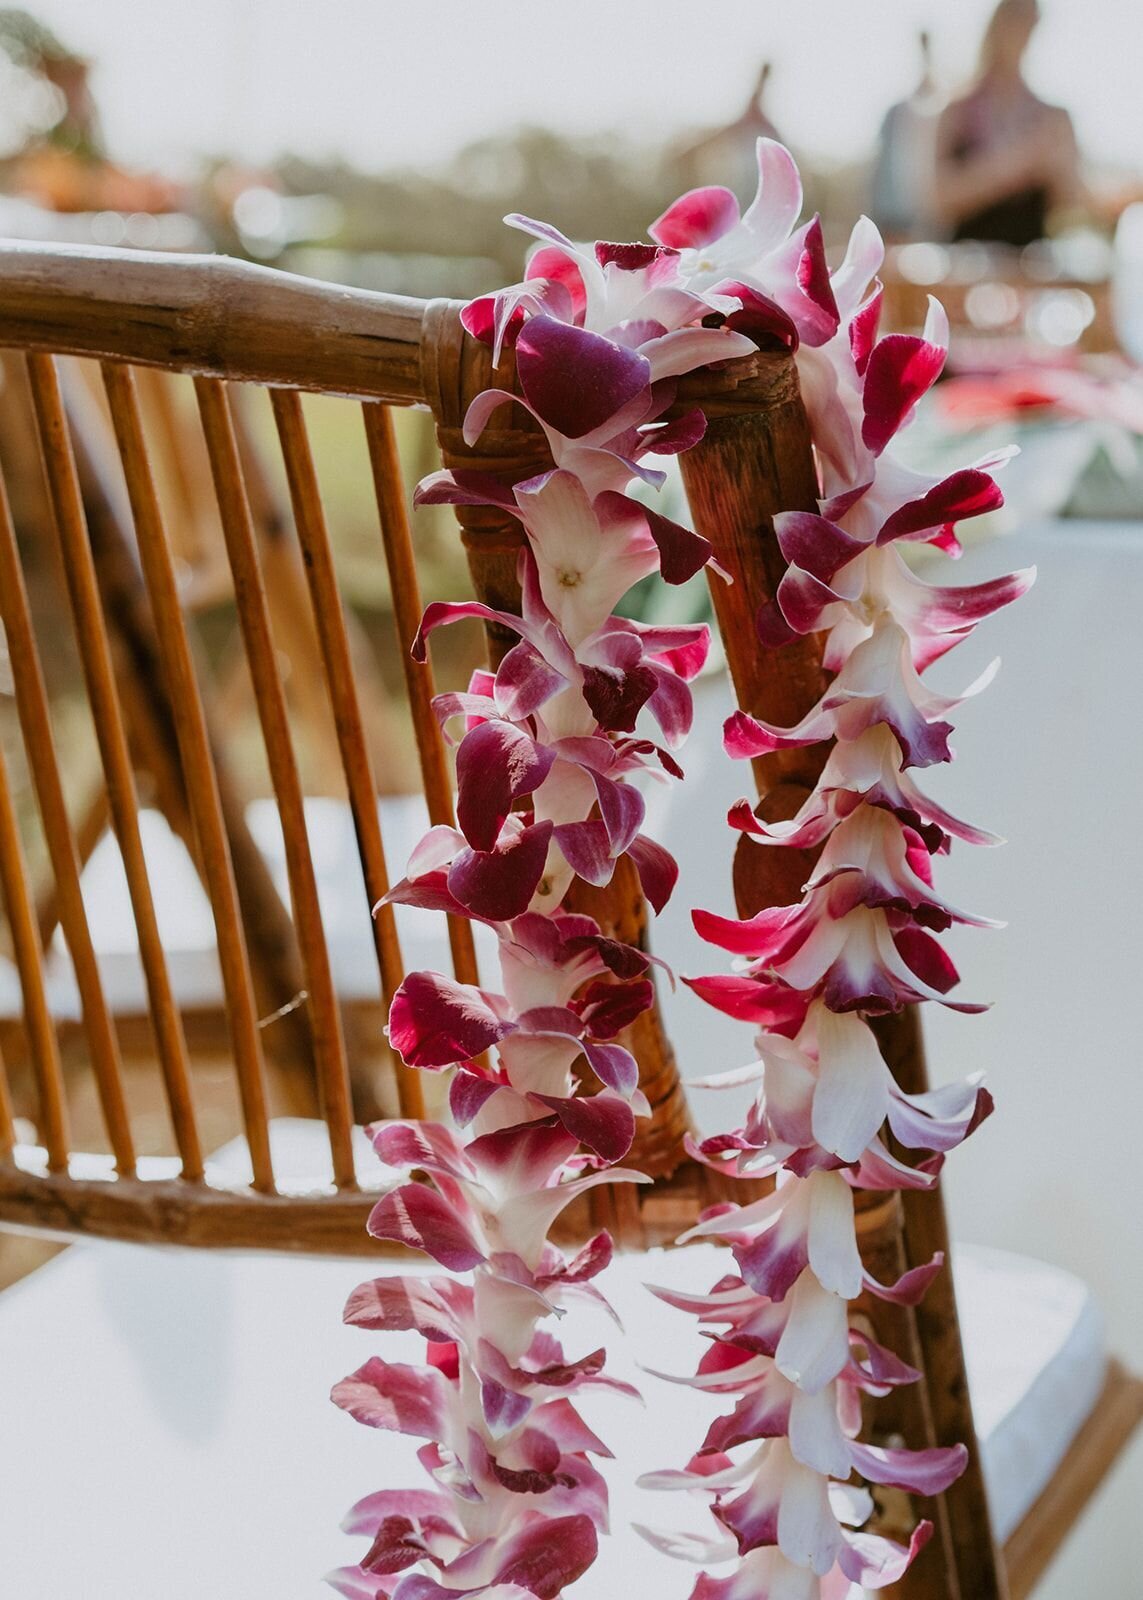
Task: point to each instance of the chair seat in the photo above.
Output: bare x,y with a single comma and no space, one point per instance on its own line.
203,1378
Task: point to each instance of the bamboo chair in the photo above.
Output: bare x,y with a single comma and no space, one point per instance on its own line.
229,324
206,586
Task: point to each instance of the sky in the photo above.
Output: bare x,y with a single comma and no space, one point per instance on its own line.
387,84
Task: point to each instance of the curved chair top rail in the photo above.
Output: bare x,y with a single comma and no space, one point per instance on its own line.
212,316
227,323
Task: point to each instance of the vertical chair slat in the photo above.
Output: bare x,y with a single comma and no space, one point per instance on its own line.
7,1116
389,488
361,784
201,779
35,721
254,617
95,655
52,1125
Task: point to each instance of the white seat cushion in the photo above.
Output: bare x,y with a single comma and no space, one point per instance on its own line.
166,1427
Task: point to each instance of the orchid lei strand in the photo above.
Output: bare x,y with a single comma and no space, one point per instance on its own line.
776,1470
550,743
543,765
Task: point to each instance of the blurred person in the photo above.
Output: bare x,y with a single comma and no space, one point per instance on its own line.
1005,158
901,186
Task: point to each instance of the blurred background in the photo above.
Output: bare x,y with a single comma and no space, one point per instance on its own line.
1000,149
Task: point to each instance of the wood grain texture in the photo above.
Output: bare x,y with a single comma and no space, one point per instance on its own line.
1091,1456
153,720
39,744
212,316
196,765
95,655
52,1122
360,781
405,591
254,617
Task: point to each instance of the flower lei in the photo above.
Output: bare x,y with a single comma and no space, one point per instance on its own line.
550,741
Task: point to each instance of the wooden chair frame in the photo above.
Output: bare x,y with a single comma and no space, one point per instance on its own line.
226,323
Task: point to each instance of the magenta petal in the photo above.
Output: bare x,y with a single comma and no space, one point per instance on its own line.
743,738
879,1366
757,1415
753,936
548,1554
589,1262
464,488
419,1217
814,281
586,847
698,217
770,1262
874,1562
924,956
674,437
759,318
426,1145
443,612
910,1287
657,868
421,1505
495,765
392,1395
926,1472
605,1009
435,1021
467,1093
682,552
967,493
613,1066
863,330
577,380
617,695
499,884
605,1123
396,1545
416,1586
631,256
621,807
523,1157
388,1305
557,266
815,544
524,682
901,369
773,1005
672,706
554,263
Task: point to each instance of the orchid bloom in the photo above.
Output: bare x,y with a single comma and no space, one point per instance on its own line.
543,1098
